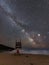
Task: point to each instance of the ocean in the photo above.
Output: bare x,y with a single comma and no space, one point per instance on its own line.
44,51
26,51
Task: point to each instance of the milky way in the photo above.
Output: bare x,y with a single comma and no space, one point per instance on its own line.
20,19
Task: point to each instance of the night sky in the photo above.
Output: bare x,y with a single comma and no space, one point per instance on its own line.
21,19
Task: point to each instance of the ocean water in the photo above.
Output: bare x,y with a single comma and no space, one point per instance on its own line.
37,51
6,49
24,51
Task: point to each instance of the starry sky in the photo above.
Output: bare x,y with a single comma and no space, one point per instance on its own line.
21,19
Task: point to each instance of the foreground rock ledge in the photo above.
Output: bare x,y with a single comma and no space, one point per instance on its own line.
23,59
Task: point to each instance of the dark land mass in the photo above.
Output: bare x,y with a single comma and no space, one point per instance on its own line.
5,48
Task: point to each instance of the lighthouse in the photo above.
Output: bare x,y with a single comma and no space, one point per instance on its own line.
18,46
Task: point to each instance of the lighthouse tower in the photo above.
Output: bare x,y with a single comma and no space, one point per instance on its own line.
18,46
